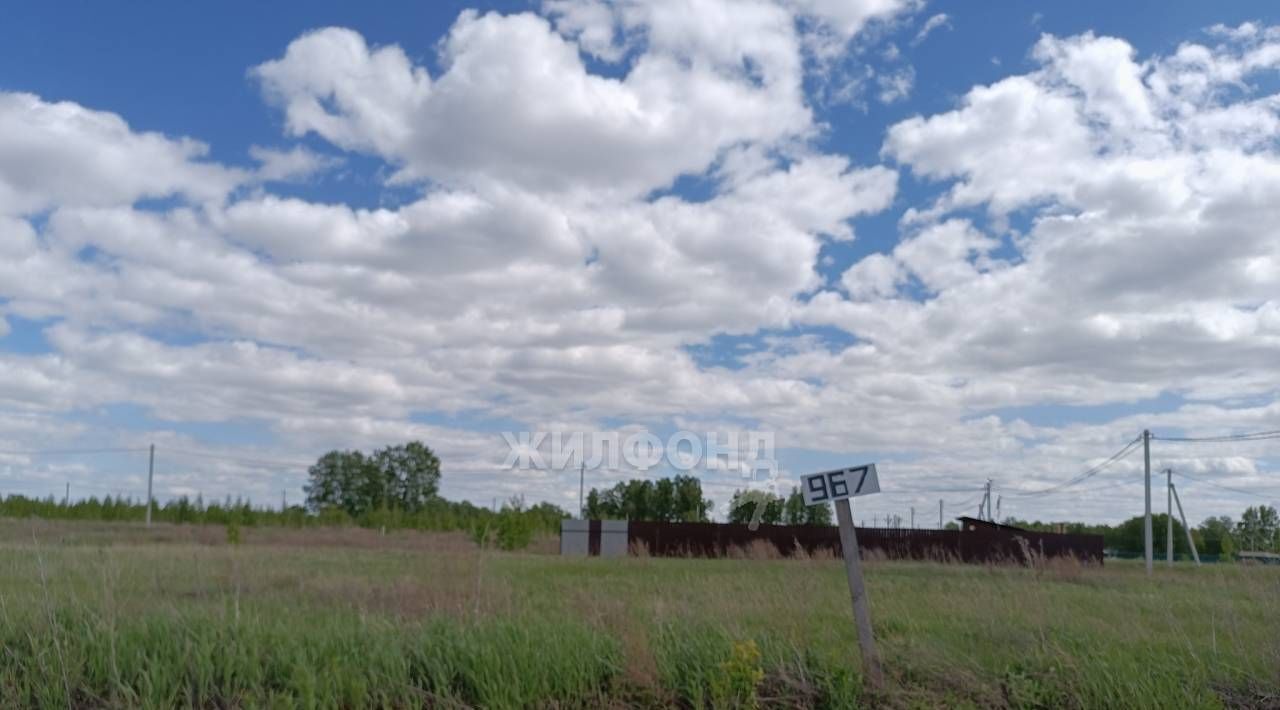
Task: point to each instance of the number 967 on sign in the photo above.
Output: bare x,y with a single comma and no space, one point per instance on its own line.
841,483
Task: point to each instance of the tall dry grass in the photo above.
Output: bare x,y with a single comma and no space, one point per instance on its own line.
99,617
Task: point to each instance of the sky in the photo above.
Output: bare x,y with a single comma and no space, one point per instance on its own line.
963,241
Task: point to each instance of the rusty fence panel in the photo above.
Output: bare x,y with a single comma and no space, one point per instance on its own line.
978,546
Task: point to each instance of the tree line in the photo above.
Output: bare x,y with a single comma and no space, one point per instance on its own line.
1258,530
679,500
396,487
672,500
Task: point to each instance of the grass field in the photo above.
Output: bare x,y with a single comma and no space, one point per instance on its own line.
119,616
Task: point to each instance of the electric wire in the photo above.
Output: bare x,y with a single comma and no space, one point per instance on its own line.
1207,482
264,463
1082,477
1225,438
67,452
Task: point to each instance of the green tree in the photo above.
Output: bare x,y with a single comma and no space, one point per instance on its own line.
1128,537
410,474
1256,530
691,507
338,480
401,478
594,507
676,499
663,501
1215,534
1228,547
742,507
794,510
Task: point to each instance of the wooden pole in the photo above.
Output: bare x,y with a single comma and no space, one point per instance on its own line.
861,609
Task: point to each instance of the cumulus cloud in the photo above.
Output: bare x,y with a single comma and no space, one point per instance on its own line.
54,154
297,163
517,104
1148,253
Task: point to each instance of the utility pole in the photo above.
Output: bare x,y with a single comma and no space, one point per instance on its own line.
939,513
999,500
913,517
1190,540
986,501
582,478
1146,523
151,472
1168,552
66,499
284,500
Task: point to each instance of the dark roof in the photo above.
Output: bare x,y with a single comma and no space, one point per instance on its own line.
968,523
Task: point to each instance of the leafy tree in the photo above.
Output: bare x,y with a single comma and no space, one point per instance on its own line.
797,513
515,527
794,511
1228,547
1215,535
676,499
338,480
1129,537
1257,528
691,507
593,509
742,508
402,478
410,474
663,501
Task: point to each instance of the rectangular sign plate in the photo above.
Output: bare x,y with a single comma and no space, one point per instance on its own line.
819,488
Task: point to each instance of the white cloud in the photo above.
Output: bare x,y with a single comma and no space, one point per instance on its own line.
934,22
297,163
64,154
896,86
517,104
847,18
1149,252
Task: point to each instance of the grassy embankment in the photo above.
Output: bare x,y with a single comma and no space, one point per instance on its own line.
95,615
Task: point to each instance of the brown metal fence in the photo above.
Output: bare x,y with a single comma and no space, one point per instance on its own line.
980,545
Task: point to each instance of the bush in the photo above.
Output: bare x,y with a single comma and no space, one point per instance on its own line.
514,529
737,680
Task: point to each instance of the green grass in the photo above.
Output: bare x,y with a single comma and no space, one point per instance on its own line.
117,616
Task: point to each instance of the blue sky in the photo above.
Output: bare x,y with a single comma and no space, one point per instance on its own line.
947,303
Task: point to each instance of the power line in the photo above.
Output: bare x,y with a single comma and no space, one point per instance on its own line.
268,463
68,452
1255,436
930,491
1086,475
1225,488
962,505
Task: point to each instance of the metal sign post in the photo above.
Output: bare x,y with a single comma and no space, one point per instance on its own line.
839,486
